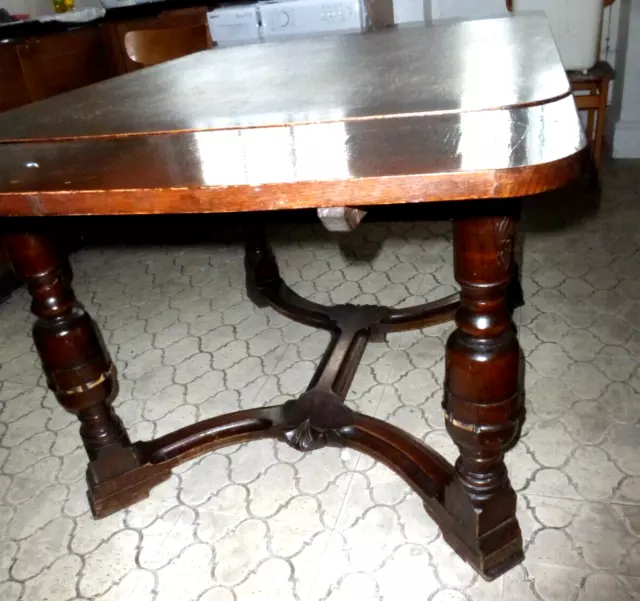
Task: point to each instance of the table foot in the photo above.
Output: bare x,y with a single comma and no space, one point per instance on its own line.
491,554
119,480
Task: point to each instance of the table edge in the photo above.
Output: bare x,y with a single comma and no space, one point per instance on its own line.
387,190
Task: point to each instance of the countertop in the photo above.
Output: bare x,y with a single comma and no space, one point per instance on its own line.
20,30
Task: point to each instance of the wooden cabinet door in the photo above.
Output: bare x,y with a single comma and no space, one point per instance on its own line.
57,63
13,87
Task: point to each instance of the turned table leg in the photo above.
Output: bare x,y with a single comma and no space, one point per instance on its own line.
482,398
80,372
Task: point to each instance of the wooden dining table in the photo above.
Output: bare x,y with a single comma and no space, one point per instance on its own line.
472,116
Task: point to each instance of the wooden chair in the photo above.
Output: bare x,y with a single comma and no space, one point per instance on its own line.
593,97
152,46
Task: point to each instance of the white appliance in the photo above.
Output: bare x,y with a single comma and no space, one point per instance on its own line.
281,19
576,26
297,18
234,25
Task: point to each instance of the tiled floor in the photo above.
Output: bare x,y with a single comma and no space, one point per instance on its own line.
261,521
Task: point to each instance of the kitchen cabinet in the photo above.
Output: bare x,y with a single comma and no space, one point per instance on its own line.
62,62
13,87
40,67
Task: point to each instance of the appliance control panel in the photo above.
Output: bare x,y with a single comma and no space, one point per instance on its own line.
292,18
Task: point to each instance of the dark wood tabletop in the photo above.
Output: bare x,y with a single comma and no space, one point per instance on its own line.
469,110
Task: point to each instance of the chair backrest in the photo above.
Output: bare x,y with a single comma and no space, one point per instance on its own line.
152,46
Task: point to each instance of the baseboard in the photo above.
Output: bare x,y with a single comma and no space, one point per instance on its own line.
626,140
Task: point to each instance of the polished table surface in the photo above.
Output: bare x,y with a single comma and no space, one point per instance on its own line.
404,115
406,71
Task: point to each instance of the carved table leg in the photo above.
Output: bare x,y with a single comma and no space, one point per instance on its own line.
482,402
80,373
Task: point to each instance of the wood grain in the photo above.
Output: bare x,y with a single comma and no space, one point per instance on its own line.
508,183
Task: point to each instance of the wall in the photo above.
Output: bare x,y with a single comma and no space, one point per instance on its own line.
36,8
415,10
620,46
624,118
469,9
